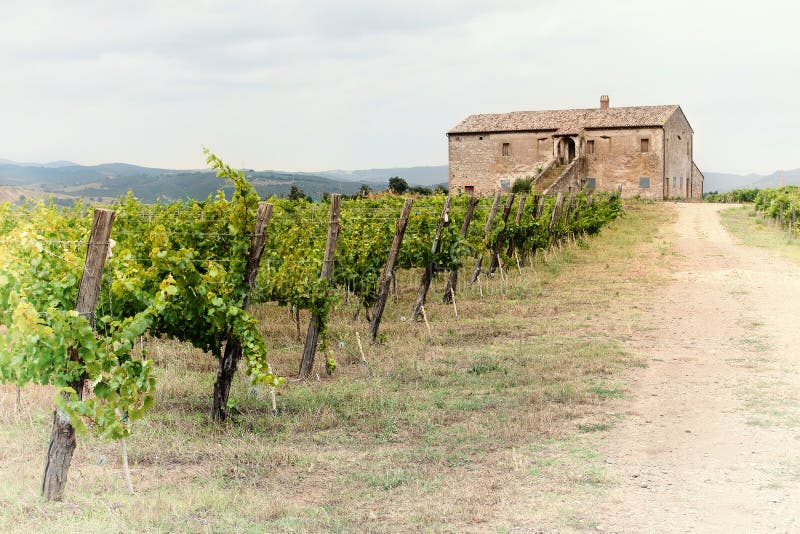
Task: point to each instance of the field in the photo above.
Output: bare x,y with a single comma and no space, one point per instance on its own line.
439,433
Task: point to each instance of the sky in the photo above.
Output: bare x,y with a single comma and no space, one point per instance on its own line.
313,85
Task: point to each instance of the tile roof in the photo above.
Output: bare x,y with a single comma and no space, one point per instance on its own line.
566,121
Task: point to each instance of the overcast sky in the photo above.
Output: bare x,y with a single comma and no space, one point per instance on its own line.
304,85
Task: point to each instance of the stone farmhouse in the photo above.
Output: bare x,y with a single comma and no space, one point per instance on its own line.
645,150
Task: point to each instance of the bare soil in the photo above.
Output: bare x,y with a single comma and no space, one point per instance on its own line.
709,439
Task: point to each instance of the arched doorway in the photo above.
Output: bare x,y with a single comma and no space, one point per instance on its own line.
566,150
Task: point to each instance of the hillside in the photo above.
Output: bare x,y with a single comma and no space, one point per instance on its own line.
111,180
724,182
427,176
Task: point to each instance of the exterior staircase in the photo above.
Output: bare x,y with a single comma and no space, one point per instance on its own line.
549,177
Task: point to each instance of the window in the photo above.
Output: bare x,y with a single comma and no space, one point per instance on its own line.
480,138
645,145
644,183
506,149
590,146
469,189
591,183
674,182
505,185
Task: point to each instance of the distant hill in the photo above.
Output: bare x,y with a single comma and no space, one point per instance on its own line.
54,164
109,181
427,176
724,182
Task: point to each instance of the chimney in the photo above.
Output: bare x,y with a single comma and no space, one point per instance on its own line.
604,102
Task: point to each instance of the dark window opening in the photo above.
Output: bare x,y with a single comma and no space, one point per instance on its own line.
505,185
480,138
645,145
469,189
591,184
644,183
590,147
506,149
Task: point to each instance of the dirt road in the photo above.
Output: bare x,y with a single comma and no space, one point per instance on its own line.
711,439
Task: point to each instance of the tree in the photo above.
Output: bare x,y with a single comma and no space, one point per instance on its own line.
365,191
420,190
397,185
295,193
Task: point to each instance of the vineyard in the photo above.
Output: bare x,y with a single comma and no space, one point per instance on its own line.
81,288
779,205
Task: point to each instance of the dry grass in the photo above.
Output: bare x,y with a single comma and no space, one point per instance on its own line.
756,230
441,435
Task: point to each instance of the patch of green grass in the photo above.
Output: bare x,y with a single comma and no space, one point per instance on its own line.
606,392
753,343
389,479
753,230
484,363
598,427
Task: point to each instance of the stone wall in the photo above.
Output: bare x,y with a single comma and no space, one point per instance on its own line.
488,162
697,183
677,157
570,179
477,160
618,160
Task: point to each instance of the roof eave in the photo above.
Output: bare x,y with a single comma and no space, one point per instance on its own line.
488,132
623,127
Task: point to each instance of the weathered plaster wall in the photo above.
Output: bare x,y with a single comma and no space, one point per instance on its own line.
677,156
697,183
618,159
478,160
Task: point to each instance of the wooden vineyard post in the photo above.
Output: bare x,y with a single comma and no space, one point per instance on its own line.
518,220
233,347
536,212
486,231
385,283
540,206
452,280
427,275
569,208
496,254
554,216
62,437
315,324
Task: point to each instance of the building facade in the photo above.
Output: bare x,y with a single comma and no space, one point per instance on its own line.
646,150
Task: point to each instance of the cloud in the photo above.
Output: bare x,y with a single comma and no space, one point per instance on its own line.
314,85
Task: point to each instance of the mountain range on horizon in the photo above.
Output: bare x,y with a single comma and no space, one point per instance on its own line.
67,181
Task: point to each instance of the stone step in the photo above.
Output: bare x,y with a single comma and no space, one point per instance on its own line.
550,177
